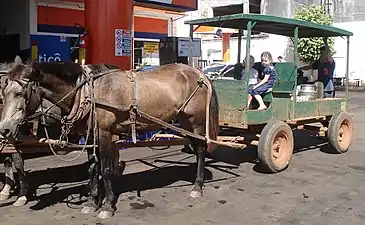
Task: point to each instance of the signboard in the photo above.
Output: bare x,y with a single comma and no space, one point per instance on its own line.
52,48
150,53
123,42
150,47
184,47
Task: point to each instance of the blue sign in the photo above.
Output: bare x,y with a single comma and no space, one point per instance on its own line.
52,48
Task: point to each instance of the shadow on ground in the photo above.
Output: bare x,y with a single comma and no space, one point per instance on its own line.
157,177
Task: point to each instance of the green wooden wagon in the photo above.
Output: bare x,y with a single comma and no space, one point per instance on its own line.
274,125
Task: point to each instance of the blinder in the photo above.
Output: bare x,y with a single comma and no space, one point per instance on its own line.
28,89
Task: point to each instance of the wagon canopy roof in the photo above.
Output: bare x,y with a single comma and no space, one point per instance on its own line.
271,24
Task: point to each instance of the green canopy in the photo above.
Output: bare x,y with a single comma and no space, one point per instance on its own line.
272,24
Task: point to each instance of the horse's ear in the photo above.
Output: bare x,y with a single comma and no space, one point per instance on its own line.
17,61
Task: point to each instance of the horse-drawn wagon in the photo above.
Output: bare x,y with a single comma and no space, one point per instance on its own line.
286,109
104,100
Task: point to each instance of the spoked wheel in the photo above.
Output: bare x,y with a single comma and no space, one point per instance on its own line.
340,131
276,146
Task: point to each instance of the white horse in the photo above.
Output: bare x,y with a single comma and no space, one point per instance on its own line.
15,161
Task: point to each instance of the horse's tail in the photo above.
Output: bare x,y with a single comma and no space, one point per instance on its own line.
212,116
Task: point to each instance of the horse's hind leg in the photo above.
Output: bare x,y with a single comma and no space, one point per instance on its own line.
24,186
9,179
200,149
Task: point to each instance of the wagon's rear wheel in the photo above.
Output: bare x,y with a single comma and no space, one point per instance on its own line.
276,146
340,131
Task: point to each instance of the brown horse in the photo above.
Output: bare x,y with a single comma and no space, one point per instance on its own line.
164,93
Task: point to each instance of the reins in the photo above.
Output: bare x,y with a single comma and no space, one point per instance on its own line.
93,77
66,127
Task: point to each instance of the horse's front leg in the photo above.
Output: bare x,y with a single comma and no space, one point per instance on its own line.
109,158
24,186
9,179
95,190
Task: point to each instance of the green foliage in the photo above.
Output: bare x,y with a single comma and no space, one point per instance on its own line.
309,48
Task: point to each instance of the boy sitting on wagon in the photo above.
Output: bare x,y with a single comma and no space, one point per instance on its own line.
253,73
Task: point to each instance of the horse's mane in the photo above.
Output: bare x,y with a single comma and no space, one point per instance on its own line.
6,66
68,71
101,68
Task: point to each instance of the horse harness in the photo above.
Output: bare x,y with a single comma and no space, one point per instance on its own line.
87,103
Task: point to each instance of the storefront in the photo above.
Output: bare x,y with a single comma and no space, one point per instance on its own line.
55,28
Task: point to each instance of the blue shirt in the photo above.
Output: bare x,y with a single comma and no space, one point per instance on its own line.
325,73
270,70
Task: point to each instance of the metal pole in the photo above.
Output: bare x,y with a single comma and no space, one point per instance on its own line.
245,10
347,71
296,36
239,45
248,44
247,67
190,62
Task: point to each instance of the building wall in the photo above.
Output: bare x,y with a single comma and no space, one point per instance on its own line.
341,10
63,19
53,27
347,14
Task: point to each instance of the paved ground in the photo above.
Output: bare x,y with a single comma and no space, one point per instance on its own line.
318,188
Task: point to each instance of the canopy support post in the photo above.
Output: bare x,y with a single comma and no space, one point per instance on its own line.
190,59
296,37
240,31
247,65
347,71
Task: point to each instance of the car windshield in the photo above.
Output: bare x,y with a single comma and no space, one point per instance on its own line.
213,69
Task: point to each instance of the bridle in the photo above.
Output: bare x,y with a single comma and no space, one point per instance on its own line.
29,88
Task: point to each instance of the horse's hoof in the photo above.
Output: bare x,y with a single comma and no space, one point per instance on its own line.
88,210
105,215
4,197
21,201
196,193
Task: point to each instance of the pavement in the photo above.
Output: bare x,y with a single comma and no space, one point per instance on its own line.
318,188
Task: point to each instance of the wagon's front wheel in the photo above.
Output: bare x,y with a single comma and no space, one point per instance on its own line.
276,146
340,130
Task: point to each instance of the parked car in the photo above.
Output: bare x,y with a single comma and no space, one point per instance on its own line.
220,71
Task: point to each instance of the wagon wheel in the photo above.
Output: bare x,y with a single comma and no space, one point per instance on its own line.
276,146
340,130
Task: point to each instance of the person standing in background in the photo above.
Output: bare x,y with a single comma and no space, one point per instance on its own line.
326,67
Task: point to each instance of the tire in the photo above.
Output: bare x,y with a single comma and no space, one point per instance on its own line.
276,145
340,132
